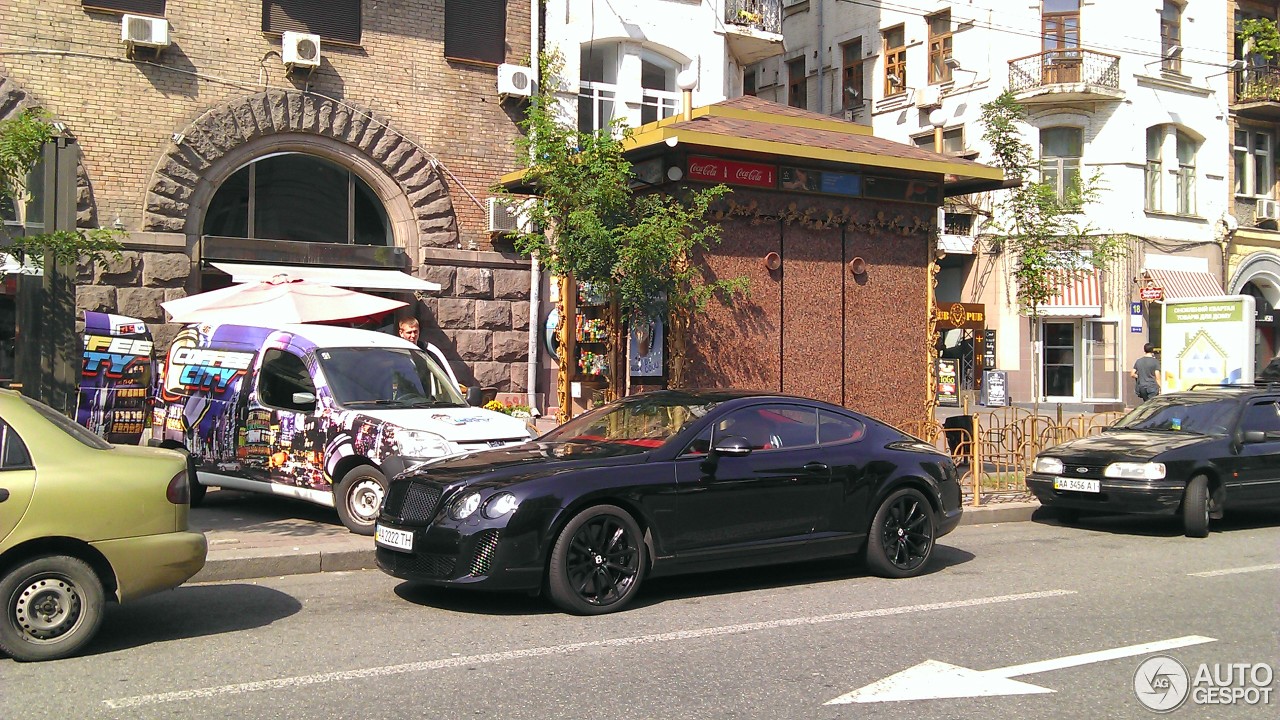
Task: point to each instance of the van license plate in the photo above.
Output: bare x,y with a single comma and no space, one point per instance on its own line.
1077,484
394,539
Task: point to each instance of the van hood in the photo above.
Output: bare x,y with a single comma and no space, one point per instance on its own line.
455,424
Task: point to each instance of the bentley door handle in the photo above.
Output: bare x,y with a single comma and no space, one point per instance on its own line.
816,467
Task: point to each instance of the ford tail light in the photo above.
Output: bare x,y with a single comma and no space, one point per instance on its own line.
179,490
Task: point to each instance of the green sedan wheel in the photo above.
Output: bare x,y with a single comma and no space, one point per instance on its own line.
52,606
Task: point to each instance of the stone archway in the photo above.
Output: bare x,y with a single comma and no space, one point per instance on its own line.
13,100
208,150
1263,270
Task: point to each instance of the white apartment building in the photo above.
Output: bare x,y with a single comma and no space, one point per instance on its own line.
622,58
1135,91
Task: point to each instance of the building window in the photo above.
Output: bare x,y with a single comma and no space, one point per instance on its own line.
1060,151
601,83
598,86
476,31
797,93
895,61
853,92
660,99
939,47
135,7
749,82
1186,151
952,141
1060,30
1171,37
334,20
292,196
1155,151
1253,170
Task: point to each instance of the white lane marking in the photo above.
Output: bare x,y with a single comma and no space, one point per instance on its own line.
934,680
488,658
1236,571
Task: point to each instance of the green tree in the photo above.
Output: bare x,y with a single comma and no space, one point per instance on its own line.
22,140
1046,234
589,223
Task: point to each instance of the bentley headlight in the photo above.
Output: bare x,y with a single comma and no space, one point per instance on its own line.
465,506
419,444
1135,471
499,505
1048,466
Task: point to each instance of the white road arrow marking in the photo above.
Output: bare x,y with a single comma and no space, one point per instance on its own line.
933,680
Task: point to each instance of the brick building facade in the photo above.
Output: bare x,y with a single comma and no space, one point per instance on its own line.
161,133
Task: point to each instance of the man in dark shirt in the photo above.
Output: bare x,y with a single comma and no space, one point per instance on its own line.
1146,371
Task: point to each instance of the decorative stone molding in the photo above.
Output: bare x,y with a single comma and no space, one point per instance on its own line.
221,131
13,100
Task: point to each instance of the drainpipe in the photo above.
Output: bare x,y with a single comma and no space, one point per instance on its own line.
822,60
535,267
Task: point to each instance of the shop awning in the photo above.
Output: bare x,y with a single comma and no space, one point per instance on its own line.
351,278
1180,284
1079,295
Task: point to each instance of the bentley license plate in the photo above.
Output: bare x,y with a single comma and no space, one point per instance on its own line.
1077,484
394,539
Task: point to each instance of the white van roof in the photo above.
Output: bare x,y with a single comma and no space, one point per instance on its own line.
330,336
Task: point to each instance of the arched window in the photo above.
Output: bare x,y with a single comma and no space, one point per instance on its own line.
299,197
605,76
658,79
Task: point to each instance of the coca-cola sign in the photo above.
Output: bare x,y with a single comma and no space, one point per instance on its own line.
730,172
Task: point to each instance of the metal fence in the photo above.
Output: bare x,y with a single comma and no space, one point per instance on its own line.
1053,67
994,449
763,15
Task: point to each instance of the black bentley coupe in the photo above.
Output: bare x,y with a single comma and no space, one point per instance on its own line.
670,482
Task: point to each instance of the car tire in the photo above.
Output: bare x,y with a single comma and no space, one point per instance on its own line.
597,563
197,490
358,498
1195,508
901,537
53,606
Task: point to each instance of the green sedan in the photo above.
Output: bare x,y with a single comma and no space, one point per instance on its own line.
82,520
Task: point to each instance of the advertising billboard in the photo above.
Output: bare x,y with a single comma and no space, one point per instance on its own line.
1207,340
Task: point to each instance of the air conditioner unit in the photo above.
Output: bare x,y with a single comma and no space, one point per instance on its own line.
1267,210
300,50
507,215
515,81
142,31
929,96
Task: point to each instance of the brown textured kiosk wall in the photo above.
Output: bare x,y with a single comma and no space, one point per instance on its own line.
812,327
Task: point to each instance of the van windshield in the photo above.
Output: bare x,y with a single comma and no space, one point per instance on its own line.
392,377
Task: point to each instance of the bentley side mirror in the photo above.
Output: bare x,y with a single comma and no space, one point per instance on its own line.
732,446
475,395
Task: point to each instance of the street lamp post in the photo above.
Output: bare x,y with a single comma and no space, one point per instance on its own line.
938,119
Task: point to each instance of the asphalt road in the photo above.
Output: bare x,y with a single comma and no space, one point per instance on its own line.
772,643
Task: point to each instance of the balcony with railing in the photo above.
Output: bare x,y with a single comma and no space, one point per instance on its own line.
1065,75
753,29
1258,93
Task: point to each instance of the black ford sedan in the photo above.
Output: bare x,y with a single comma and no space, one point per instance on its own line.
1193,454
670,482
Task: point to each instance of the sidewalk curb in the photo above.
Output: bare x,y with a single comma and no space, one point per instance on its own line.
226,562
233,564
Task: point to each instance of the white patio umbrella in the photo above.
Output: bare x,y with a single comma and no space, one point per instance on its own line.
281,299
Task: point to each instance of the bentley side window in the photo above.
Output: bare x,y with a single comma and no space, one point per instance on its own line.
834,429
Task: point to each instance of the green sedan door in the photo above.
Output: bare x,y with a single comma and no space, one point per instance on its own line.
17,480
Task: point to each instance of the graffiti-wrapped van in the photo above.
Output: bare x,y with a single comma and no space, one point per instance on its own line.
312,412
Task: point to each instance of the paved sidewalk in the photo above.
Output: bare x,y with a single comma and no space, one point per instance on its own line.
255,536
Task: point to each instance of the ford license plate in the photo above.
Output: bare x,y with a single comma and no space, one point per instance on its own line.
1077,484
394,539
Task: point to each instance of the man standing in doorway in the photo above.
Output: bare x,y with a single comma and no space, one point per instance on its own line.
1146,371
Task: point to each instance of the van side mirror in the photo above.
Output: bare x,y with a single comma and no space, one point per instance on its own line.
304,399
475,396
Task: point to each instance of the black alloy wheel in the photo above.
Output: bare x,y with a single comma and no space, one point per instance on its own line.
902,534
597,563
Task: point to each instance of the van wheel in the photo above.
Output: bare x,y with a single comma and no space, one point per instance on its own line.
52,607
197,490
358,498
